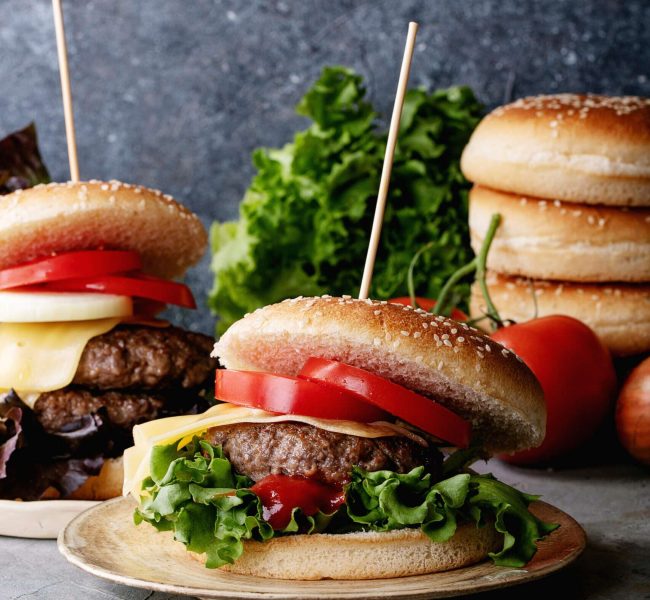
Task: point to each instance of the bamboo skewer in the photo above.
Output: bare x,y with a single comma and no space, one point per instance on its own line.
388,161
62,52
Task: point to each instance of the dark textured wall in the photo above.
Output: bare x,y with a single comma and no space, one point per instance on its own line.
176,93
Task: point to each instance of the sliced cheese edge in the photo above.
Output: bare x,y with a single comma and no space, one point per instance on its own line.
41,357
182,429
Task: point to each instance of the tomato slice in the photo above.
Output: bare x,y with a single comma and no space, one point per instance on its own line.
85,263
292,396
397,400
135,284
427,304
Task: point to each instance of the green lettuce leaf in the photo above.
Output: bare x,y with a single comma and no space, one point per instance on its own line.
194,493
383,500
21,165
305,219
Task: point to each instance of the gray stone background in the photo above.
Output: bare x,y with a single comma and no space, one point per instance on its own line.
176,94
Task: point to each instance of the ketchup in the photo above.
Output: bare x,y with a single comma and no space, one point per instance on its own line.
280,494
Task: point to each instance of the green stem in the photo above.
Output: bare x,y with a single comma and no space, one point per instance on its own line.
409,276
481,267
443,298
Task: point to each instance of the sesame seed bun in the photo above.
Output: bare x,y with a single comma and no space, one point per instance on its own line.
62,217
364,555
618,313
560,240
588,149
448,361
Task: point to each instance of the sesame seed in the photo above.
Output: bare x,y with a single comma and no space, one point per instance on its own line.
326,296
104,187
488,348
346,297
436,337
460,340
404,333
447,342
425,325
445,336
505,353
439,365
417,334
377,313
454,331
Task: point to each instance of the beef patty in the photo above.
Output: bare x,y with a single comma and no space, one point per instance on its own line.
55,410
298,449
146,358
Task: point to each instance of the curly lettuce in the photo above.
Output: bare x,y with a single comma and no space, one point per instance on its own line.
194,493
305,219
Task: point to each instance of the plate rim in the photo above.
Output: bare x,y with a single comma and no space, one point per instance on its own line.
205,593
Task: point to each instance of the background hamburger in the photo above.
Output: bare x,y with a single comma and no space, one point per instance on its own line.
325,458
84,267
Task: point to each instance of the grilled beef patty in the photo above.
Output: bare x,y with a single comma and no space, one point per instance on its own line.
298,449
146,358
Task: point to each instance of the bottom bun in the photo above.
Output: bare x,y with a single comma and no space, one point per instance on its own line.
364,555
619,313
103,486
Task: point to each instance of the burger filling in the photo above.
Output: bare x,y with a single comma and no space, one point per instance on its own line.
127,376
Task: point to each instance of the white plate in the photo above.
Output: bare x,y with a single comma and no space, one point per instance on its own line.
42,519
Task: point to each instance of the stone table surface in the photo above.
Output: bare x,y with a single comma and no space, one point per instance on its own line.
612,502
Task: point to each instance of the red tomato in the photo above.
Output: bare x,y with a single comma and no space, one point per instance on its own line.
427,304
133,284
391,397
85,263
280,494
576,374
292,396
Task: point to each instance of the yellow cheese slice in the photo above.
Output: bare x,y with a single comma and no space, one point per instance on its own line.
183,428
41,357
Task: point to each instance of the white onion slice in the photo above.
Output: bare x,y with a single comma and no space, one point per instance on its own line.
47,307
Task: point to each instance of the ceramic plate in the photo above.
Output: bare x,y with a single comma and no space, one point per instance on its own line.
105,542
39,519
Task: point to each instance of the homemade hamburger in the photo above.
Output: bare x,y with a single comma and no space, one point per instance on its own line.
84,269
330,454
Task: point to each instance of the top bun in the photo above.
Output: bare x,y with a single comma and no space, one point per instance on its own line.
440,358
64,217
588,149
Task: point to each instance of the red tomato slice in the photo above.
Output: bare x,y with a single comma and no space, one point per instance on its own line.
427,304
134,284
85,263
292,396
397,400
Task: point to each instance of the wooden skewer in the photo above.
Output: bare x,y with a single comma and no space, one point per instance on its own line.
388,161
62,51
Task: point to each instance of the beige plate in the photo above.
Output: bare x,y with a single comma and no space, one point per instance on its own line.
105,542
43,519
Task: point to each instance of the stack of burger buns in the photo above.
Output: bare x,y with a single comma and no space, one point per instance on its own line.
570,176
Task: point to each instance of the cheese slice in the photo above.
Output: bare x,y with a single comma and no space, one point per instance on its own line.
183,428
41,357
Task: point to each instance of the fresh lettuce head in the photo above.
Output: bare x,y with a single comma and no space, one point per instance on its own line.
305,220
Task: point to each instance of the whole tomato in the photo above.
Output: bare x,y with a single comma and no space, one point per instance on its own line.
576,374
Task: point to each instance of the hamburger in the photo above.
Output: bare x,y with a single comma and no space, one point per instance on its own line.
341,447
84,269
